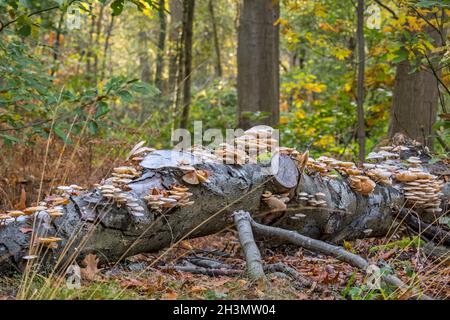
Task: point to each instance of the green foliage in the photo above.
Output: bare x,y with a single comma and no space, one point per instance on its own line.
216,105
31,104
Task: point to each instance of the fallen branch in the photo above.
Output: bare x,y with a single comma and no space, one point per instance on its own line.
281,267
205,271
255,269
327,249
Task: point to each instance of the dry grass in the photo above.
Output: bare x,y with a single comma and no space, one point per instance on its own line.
22,168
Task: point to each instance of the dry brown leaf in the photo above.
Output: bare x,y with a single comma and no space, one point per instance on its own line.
186,245
91,270
196,289
171,295
23,199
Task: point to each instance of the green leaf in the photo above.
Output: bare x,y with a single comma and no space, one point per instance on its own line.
125,95
9,140
102,109
430,3
25,30
117,7
62,135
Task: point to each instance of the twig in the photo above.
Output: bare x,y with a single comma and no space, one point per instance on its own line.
394,15
252,255
330,250
281,267
4,25
205,271
436,75
208,263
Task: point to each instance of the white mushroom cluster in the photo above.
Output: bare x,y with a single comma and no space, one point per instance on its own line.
203,153
314,200
122,198
257,140
230,154
67,191
380,175
123,175
362,184
324,165
176,196
275,202
422,189
138,152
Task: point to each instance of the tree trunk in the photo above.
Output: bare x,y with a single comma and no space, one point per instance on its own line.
106,47
89,51
361,67
161,46
94,224
258,64
144,62
57,44
176,17
415,99
216,39
188,25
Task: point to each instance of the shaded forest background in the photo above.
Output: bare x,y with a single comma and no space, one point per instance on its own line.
74,99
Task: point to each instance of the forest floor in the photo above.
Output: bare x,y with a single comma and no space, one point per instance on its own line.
142,276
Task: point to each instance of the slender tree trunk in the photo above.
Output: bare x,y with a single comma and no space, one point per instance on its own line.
97,40
176,17
56,46
161,46
106,47
216,39
188,25
89,52
258,63
145,69
361,67
416,95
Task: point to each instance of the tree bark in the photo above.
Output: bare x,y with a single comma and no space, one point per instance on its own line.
188,25
94,224
106,47
258,64
161,46
216,39
176,17
144,63
415,99
361,68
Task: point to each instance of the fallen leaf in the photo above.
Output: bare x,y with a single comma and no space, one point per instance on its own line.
91,270
23,199
196,289
171,295
186,245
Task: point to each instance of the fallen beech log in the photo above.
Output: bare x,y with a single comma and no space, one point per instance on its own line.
94,224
